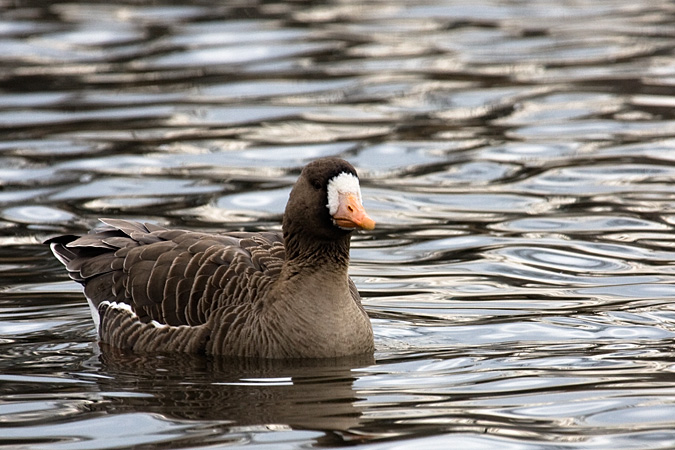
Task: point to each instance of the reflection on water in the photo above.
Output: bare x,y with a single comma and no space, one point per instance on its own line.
299,394
517,156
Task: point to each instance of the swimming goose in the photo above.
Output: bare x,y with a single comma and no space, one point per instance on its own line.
264,295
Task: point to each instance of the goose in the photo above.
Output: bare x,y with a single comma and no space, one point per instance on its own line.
240,294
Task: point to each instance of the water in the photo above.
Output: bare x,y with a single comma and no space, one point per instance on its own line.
518,157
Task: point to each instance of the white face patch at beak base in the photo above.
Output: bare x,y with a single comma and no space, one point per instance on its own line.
342,184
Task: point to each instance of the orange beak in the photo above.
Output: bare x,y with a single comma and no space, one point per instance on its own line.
351,214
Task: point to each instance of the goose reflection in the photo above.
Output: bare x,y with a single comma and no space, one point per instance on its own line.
303,394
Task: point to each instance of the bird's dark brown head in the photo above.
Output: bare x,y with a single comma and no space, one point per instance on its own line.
325,203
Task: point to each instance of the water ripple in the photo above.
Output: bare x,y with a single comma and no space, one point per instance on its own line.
517,157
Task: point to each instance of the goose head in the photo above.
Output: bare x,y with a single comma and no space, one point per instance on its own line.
325,203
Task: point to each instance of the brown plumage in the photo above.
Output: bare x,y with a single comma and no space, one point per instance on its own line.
265,294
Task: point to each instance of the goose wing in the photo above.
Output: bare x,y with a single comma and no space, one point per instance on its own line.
172,277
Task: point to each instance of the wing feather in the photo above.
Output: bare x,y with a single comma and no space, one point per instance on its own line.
174,277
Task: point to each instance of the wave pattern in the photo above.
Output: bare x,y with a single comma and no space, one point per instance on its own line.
519,159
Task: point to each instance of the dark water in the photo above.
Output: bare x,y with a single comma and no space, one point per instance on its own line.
519,158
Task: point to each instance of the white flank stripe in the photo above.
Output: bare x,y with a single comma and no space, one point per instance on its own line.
156,324
114,305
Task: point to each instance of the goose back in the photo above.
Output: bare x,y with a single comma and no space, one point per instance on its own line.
171,277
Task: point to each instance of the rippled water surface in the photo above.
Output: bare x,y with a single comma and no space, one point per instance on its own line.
519,158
